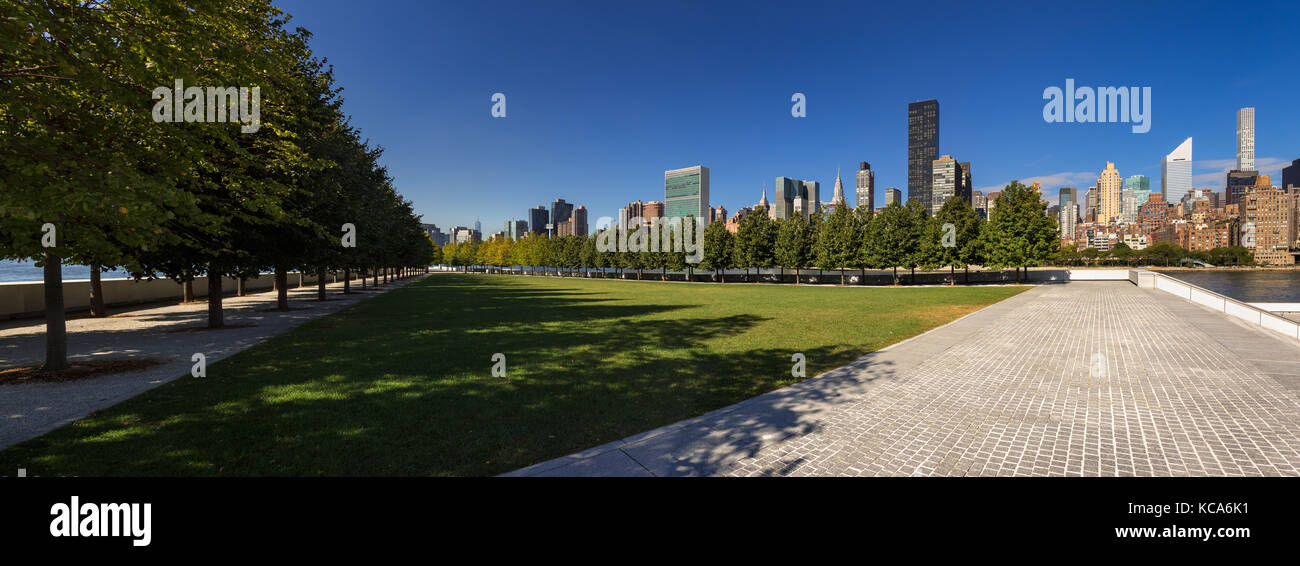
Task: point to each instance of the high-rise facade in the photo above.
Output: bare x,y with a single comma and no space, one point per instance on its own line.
516,229
653,209
866,187
1141,187
1069,212
922,149
947,179
579,221
893,195
795,197
560,213
1176,172
1269,212
1110,194
538,218
1291,175
1246,139
686,193
837,197
1239,184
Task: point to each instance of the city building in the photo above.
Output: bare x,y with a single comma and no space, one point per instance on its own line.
462,234
948,182
516,229
793,196
1090,206
538,218
1176,172
980,202
1110,193
1269,212
1154,214
893,195
1141,187
1246,139
1240,183
653,209
967,181
579,221
1069,212
866,195
686,193
1291,175
922,149
837,198
993,201
560,213
733,223
439,239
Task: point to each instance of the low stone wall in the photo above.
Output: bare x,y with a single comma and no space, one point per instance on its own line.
1221,303
27,299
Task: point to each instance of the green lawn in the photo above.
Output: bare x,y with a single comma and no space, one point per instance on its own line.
401,384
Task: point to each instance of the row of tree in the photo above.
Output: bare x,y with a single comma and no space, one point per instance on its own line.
88,176
1018,234
1161,253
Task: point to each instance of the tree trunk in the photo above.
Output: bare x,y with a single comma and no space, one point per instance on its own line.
952,275
347,280
796,276
375,273
241,287
281,289
96,292
895,275
300,278
967,275
187,291
841,276
320,285
214,298
56,335
913,275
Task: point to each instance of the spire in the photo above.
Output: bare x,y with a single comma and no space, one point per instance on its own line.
763,202
838,199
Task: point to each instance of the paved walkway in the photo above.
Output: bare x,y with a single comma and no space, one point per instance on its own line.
29,409
1096,379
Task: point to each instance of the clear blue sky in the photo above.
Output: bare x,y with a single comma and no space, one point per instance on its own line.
602,97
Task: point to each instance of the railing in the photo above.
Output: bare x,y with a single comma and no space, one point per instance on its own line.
1224,304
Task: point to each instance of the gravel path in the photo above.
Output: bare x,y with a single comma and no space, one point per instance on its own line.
28,410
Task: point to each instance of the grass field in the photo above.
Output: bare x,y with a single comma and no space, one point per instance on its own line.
402,383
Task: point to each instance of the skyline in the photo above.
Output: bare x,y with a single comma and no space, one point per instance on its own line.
599,127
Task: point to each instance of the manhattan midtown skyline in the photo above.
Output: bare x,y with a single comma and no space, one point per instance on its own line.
600,100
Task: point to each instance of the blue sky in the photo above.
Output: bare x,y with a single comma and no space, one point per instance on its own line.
602,97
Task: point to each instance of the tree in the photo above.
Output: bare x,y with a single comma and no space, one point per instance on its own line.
794,245
839,241
719,248
950,237
1020,233
892,238
754,241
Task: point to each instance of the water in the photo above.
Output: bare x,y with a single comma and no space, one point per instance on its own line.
11,271
1251,286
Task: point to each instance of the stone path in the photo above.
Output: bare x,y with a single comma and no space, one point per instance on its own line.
1096,379
28,410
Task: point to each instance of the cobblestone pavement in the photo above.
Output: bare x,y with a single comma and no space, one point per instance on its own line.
1095,379
31,409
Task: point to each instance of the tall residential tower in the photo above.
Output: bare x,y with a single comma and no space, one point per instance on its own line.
922,149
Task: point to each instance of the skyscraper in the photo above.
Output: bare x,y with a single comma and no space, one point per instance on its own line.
686,193
579,221
1141,187
560,213
538,218
947,181
1176,172
1269,213
838,195
516,229
1291,175
866,187
893,195
1110,193
922,149
1246,139
1239,184
1069,213
792,196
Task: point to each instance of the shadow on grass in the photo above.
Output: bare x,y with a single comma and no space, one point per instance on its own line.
402,385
